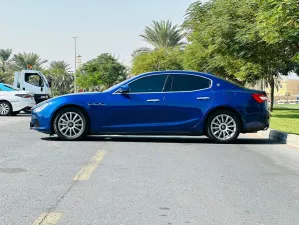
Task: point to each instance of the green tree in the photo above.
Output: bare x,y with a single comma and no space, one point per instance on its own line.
224,40
278,22
5,63
101,73
22,60
157,60
59,73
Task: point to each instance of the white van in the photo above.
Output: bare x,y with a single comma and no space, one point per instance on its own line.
33,81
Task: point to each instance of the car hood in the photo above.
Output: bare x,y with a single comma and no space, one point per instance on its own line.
75,97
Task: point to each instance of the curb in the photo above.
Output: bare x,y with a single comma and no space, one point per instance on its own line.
282,137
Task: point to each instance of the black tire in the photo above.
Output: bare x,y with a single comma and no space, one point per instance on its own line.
5,105
235,127
14,113
58,128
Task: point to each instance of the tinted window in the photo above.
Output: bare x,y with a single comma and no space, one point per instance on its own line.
153,83
189,83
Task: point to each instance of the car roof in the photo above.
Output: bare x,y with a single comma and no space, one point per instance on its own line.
180,72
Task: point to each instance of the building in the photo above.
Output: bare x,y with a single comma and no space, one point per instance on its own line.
288,89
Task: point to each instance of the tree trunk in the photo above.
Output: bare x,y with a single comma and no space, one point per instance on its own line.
272,84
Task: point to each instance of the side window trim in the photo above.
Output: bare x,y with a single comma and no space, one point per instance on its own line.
171,75
166,81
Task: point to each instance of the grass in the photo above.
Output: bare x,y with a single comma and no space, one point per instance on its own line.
285,119
287,106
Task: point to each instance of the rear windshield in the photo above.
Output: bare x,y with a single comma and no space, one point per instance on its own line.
7,87
231,82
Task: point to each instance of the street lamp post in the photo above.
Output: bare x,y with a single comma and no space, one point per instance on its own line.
75,76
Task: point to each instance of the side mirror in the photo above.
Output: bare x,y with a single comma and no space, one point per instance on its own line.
124,89
50,83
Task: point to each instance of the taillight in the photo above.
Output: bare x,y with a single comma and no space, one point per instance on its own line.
23,95
260,98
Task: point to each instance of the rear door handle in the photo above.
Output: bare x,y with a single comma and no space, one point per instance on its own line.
203,98
153,100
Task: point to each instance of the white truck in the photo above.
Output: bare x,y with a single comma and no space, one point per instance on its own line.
33,81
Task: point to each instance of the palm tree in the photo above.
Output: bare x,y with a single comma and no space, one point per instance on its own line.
163,34
59,73
22,60
61,65
5,61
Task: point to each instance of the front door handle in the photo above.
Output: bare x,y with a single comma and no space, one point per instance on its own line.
203,98
153,100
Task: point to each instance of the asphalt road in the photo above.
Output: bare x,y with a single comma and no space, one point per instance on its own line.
140,181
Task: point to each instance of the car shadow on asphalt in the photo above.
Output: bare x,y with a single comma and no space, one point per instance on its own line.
147,139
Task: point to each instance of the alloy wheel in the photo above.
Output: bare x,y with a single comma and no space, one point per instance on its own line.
223,127
71,124
4,109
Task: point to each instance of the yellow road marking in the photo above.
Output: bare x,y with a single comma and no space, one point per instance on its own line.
93,163
48,219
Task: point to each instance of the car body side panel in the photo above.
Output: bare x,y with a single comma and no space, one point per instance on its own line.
254,116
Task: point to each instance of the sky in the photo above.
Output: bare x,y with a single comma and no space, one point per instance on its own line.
46,27
112,26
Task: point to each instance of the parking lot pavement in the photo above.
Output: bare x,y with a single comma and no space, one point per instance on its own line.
6,120
145,180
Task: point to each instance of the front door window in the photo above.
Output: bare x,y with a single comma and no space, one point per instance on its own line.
149,84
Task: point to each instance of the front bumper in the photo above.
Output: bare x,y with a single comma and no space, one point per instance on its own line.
39,124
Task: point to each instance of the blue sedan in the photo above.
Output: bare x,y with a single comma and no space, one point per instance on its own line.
157,103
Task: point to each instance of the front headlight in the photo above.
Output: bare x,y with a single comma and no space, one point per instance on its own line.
40,108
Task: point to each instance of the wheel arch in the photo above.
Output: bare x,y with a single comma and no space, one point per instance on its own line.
212,111
70,106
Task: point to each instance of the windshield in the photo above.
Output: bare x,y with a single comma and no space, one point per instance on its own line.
119,84
7,87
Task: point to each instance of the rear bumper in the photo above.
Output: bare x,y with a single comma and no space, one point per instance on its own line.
23,104
260,123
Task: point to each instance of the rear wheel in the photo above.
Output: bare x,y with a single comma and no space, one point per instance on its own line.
223,126
5,108
70,124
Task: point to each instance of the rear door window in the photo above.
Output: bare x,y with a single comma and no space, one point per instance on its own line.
189,83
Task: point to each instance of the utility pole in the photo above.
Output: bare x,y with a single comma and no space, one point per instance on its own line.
75,76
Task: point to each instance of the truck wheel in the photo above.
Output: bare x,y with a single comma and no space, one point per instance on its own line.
71,124
5,108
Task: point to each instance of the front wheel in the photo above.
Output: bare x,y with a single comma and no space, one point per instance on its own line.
70,124
223,126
